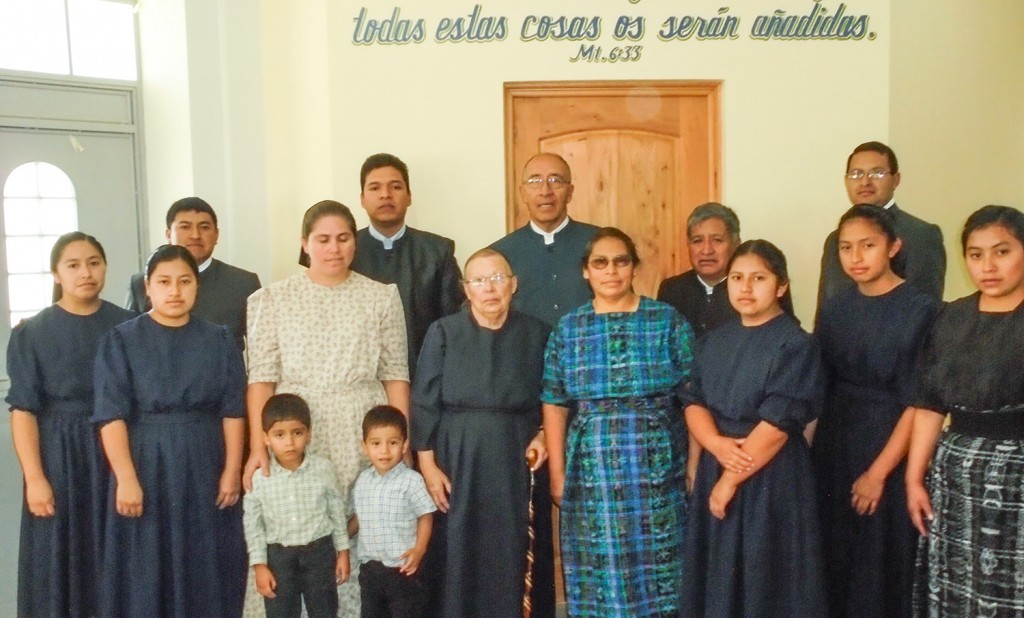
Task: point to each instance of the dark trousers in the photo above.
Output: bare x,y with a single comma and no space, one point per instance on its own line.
386,592
303,573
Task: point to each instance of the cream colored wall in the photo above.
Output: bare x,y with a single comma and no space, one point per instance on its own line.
289,108
165,103
204,119
786,111
957,113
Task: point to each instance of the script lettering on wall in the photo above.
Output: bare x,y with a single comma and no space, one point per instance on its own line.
611,38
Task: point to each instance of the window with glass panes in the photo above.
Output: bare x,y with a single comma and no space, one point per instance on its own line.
39,205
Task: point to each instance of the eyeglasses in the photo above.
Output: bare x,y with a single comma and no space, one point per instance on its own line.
536,182
601,262
873,174
497,279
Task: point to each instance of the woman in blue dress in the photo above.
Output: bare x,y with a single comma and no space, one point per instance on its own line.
971,511
170,401
49,361
870,337
752,541
618,460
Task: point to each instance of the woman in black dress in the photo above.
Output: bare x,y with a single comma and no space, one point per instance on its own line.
971,513
49,360
870,336
169,402
752,542
475,415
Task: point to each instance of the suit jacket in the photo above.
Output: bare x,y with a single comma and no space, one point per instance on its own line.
223,291
921,261
423,267
551,281
703,311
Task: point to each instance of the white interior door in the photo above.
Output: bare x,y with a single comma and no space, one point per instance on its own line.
101,167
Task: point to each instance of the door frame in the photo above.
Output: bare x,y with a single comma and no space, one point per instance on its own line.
117,109
708,89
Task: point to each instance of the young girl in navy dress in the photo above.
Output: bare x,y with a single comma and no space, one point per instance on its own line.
971,561
49,360
752,544
870,337
169,401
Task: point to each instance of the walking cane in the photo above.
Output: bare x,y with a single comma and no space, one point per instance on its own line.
531,460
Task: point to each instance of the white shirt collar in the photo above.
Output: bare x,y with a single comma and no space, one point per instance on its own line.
891,202
206,264
709,287
386,241
549,237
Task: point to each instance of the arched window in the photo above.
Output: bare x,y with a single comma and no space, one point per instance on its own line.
39,205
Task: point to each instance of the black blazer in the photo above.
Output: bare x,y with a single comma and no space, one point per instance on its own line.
921,261
423,267
223,291
703,311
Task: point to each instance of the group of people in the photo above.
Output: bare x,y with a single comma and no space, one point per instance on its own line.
707,456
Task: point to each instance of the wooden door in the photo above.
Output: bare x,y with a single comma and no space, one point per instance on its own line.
643,154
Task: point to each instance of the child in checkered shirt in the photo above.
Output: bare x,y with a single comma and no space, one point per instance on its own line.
393,515
295,519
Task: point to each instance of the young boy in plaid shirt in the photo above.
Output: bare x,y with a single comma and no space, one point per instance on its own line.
294,519
393,516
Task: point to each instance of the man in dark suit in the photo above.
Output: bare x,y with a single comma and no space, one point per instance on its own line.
421,264
872,175
223,288
701,294
546,254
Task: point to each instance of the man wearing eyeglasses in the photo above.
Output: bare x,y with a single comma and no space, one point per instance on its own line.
545,253
872,175
421,264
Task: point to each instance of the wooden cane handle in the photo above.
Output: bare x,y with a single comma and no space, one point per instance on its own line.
531,457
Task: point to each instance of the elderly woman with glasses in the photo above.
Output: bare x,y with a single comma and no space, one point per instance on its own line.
475,416
618,462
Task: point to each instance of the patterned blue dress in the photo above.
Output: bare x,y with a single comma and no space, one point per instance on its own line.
624,505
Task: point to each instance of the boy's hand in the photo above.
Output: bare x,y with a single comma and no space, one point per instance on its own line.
342,568
411,561
266,583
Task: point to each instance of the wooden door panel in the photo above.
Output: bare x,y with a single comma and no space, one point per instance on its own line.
643,155
629,184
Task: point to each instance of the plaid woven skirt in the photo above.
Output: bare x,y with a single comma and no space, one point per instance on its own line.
972,561
624,507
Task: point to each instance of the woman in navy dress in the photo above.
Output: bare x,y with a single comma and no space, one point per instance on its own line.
49,360
475,415
971,513
752,542
169,402
618,460
870,337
